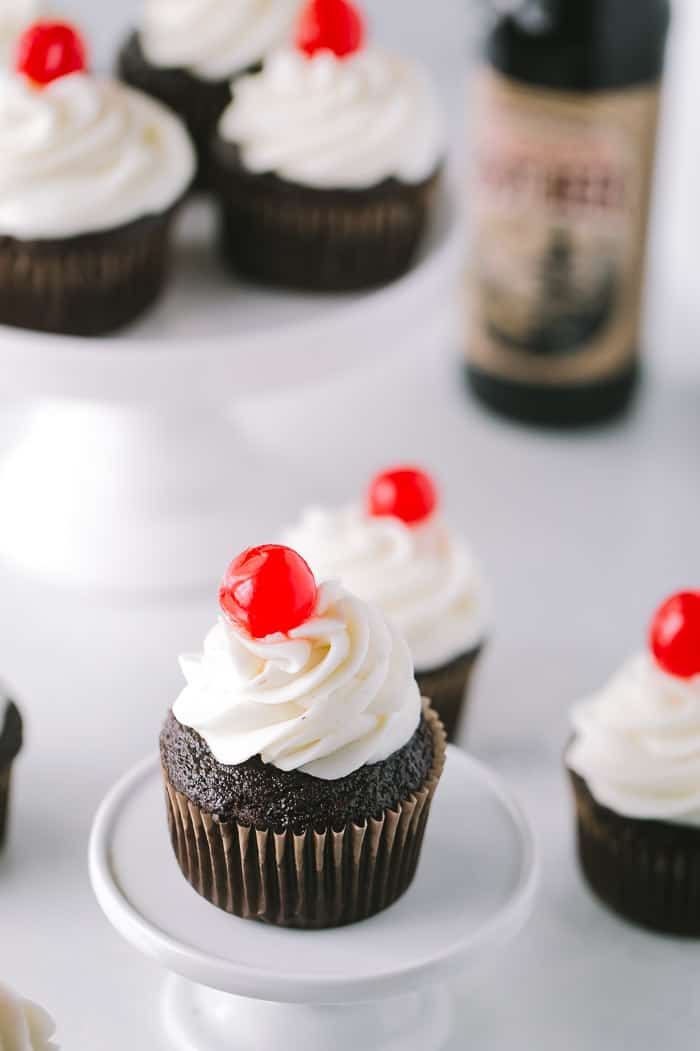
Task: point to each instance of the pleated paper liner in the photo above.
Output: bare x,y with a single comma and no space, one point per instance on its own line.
5,782
86,285
281,233
448,687
198,102
311,880
647,871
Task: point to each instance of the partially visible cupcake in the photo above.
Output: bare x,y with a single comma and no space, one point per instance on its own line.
635,768
326,161
188,54
24,1026
91,176
10,745
299,762
395,549
15,17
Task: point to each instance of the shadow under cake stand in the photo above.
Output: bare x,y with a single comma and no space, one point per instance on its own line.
129,462
383,984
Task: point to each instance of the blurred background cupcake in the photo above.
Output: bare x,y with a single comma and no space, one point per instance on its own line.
91,177
10,745
326,161
635,768
24,1026
187,53
396,550
299,763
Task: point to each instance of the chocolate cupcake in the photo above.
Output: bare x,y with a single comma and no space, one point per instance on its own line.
299,762
397,551
24,1026
634,764
92,176
326,161
10,744
189,55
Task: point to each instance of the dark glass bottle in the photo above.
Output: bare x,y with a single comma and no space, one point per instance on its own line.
566,110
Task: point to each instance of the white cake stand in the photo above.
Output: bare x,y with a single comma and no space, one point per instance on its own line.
127,468
381,984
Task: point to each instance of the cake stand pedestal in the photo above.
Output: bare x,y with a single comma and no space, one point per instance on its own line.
128,469
238,986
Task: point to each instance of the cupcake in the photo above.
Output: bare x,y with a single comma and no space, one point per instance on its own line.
188,54
299,761
634,763
10,744
24,1026
396,550
91,176
326,161
15,17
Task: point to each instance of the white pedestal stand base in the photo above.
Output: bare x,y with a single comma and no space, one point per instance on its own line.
129,472
136,499
199,1018
381,984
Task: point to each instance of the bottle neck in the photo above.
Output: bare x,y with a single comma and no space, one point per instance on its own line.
582,45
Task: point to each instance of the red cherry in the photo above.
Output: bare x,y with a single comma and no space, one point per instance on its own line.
49,50
333,25
268,589
674,636
403,492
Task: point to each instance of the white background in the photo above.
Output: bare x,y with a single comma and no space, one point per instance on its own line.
581,535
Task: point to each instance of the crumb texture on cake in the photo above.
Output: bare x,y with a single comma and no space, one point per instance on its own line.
263,796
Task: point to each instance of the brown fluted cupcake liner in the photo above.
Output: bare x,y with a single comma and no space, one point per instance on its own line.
312,879
11,732
199,103
87,285
5,782
448,688
281,233
647,871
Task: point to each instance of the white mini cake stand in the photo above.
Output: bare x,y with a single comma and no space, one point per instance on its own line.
128,470
381,984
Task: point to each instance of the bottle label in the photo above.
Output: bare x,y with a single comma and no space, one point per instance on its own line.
560,198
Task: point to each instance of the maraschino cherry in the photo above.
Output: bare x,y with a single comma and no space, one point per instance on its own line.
674,636
49,50
268,589
330,25
402,492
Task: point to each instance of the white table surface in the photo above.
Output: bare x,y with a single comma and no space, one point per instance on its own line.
582,535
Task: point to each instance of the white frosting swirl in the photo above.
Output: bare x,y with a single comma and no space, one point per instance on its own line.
23,1025
334,694
426,580
214,38
85,154
329,122
15,17
637,744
